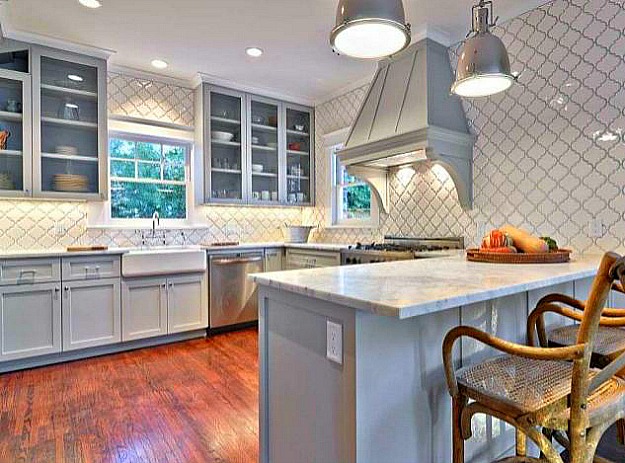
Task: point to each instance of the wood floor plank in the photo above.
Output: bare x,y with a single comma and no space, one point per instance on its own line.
187,402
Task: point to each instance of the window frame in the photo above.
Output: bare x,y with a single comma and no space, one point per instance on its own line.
337,189
163,141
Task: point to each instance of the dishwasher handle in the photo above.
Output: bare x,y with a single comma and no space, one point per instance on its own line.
237,261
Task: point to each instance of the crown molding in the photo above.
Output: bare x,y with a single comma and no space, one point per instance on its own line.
202,78
435,33
153,76
53,42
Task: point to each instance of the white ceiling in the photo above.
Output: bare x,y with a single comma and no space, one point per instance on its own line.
210,36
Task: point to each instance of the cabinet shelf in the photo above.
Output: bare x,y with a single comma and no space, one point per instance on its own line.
69,91
10,153
298,153
68,157
264,174
225,143
265,128
298,177
226,171
9,116
70,123
298,133
225,120
263,148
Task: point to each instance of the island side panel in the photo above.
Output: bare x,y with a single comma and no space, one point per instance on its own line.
403,405
307,406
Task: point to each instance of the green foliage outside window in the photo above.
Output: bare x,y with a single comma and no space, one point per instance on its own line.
147,177
357,202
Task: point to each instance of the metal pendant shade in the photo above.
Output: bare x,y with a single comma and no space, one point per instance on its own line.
370,28
484,65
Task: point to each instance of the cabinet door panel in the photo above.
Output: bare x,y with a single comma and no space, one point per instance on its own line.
144,308
30,321
188,303
91,314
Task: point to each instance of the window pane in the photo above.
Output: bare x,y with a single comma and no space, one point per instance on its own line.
148,170
174,154
123,169
131,200
173,171
346,178
121,148
149,151
357,202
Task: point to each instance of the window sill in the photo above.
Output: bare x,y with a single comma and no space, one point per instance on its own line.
162,226
350,226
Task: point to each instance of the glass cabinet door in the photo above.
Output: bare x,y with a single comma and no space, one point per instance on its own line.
69,137
299,147
15,133
264,150
227,132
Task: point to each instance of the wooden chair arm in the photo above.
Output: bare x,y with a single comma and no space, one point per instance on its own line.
607,372
573,352
536,321
609,312
618,287
563,299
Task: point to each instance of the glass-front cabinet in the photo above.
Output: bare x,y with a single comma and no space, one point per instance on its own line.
257,150
70,129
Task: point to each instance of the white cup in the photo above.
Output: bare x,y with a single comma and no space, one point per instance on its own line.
256,194
291,198
274,195
300,197
265,195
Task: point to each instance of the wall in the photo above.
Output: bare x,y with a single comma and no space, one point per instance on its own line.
550,153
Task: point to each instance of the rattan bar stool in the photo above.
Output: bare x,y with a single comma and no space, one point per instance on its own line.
609,342
538,389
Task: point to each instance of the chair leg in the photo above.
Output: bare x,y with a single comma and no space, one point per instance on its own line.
521,443
620,431
458,403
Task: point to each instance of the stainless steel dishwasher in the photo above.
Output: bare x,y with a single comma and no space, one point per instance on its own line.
233,298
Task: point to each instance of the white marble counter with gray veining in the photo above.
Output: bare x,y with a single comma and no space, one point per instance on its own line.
417,287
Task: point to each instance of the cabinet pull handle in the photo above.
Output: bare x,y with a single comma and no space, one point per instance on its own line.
57,290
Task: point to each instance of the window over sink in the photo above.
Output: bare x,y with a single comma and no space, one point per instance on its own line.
148,174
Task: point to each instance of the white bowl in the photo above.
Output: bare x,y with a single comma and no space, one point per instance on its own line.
257,167
222,136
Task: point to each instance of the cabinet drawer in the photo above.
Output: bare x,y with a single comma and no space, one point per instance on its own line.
29,271
296,259
90,267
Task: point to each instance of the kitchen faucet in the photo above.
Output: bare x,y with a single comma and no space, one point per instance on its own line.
156,220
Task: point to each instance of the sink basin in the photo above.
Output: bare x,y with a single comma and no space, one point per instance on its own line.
163,261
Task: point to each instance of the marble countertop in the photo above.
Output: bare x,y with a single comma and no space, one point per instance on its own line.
61,252
411,288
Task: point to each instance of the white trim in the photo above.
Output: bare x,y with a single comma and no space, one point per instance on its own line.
53,42
144,128
336,138
201,78
153,76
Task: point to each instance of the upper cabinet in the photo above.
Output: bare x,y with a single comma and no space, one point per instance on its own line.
53,123
70,136
253,150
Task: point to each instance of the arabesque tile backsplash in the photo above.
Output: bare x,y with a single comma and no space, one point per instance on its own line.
550,154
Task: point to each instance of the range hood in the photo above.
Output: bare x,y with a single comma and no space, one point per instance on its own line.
409,116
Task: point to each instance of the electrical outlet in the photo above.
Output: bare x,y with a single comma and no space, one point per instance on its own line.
334,342
595,228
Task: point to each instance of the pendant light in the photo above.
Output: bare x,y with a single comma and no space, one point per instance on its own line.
484,65
370,28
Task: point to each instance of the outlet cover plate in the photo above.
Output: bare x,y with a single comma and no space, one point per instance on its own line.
334,342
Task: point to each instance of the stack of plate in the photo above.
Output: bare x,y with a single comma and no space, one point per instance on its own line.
6,181
70,182
67,150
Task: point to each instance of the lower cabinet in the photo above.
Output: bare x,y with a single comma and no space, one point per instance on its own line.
30,320
310,258
274,260
91,313
159,306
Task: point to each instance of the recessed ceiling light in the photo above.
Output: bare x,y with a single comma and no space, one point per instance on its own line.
254,52
75,77
159,64
90,3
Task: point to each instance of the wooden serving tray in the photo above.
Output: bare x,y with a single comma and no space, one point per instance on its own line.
554,257
79,248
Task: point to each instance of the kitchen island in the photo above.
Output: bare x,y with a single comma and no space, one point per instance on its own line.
386,399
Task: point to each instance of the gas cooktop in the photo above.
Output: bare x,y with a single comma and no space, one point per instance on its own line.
398,248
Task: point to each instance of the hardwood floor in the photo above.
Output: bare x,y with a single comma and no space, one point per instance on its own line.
189,402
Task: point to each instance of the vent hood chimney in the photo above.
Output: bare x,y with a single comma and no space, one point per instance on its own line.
409,116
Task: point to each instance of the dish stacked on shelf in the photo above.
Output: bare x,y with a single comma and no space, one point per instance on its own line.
67,150
6,181
70,182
